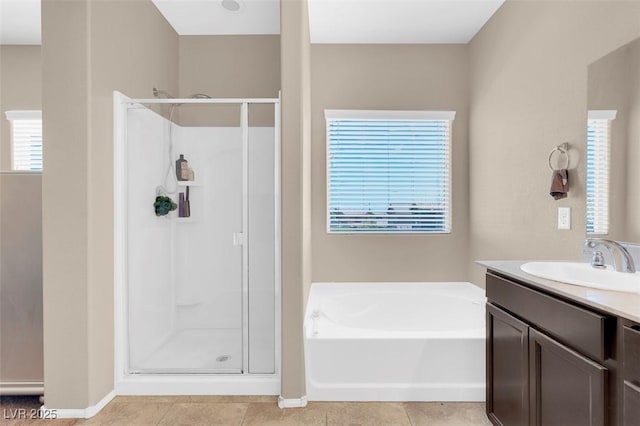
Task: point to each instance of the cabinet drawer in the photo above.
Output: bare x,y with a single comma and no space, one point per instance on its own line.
577,327
631,359
631,405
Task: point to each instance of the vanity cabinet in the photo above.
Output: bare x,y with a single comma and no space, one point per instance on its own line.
631,374
566,388
507,368
552,362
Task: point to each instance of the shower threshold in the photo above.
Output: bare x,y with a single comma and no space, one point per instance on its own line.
195,351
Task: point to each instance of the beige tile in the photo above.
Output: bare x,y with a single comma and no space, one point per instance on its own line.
41,422
152,399
447,413
366,413
234,398
21,410
265,414
205,414
129,413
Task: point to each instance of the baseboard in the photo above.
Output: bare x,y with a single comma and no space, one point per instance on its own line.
21,388
77,413
292,402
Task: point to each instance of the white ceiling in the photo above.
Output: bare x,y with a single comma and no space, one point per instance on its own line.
331,21
398,21
19,21
208,17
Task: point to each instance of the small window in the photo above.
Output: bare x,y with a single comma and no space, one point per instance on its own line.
598,153
26,140
389,171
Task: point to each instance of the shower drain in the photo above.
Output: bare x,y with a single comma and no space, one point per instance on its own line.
223,358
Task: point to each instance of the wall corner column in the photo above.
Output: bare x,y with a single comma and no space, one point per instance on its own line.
65,189
296,185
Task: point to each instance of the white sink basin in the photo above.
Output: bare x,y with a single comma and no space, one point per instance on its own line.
584,275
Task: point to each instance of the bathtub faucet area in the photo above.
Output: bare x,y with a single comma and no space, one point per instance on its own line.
315,317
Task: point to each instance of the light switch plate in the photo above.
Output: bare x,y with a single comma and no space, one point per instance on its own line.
564,218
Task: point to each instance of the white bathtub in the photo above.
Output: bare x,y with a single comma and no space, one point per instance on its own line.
395,342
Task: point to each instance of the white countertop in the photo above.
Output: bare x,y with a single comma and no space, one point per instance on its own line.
626,305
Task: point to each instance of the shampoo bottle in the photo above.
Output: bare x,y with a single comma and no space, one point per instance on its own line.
182,167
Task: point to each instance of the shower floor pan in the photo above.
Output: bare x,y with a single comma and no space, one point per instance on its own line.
196,351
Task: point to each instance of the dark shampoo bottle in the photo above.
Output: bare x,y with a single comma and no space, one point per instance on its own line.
181,168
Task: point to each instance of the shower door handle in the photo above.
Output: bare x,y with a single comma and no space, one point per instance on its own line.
238,238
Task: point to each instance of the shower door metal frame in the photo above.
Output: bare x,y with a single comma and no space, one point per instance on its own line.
210,383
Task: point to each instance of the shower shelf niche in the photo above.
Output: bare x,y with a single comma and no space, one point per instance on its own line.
195,212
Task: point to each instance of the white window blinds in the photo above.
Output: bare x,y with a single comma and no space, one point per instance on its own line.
598,152
389,171
26,140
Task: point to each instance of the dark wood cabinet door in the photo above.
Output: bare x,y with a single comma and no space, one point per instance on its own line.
566,388
507,369
631,405
631,375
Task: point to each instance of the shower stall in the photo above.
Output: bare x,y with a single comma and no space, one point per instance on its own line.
197,288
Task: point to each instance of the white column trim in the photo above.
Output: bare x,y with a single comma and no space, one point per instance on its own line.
77,413
292,402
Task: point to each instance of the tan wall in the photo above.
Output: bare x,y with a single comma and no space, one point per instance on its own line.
403,77
528,94
65,183
90,48
245,66
21,277
295,162
20,88
21,226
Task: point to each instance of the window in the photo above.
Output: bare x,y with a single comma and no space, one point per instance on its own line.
598,151
388,171
26,140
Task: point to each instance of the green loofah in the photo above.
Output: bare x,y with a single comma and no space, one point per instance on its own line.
163,205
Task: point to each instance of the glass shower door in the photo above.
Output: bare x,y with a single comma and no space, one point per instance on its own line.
185,289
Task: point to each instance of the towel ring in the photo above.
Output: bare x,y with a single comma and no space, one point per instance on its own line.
563,150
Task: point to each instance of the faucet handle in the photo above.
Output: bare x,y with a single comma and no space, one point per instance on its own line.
597,260
626,263
593,242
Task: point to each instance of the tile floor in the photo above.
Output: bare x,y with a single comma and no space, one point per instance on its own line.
262,411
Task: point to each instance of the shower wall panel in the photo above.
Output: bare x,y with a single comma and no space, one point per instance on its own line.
150,307
208,264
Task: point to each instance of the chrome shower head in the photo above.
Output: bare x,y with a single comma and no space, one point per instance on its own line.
161,94
166,95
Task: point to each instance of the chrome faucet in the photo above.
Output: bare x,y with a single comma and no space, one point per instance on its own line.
626,263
